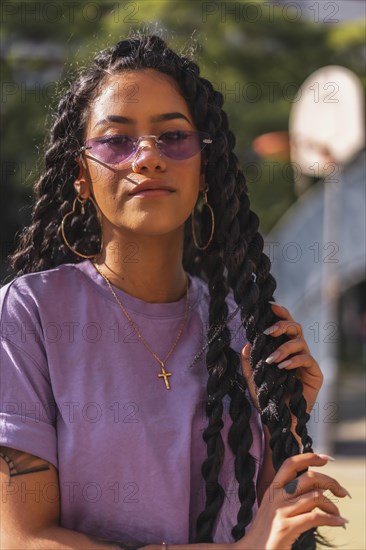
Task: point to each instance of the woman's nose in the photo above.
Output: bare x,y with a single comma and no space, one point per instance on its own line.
148,156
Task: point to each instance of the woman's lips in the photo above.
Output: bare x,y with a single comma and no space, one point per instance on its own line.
146,188
153,193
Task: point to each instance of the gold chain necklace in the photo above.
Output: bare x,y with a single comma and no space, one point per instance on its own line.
164,374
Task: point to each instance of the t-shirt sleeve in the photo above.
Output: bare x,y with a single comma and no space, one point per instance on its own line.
27,406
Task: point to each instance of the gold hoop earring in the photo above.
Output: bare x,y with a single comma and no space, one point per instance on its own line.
205,201
82,201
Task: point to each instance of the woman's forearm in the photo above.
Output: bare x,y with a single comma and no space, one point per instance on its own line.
59,538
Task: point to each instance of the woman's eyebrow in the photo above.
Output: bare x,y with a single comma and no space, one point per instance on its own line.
169,116
113,118
125,120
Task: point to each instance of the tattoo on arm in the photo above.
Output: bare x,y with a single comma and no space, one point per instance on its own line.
20,463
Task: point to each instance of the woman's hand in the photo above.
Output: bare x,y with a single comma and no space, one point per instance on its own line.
308,369
292,505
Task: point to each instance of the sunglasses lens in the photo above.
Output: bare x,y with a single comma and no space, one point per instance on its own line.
111,149
177,145
180,145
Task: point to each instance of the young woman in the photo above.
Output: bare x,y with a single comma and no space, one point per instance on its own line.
151,388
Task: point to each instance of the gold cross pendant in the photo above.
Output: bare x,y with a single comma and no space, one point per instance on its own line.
165,375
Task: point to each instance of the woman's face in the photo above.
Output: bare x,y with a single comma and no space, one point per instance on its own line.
140,103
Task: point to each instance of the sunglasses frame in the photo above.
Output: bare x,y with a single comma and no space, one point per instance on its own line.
204,139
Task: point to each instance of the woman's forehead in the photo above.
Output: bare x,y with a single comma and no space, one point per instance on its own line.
136,93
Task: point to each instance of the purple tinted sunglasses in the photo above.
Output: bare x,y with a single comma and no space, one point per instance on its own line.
177,145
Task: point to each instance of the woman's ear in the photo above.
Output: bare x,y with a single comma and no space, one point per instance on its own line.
81,185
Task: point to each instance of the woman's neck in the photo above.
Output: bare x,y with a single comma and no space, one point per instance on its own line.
148,268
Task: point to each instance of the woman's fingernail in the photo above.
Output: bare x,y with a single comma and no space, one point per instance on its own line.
343,520
347,493
274,303
273,357
327,457
271,329
284,364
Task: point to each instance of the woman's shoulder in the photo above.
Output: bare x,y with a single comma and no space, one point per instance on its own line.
32,287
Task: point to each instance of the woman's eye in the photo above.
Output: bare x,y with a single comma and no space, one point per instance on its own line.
175,136
115,140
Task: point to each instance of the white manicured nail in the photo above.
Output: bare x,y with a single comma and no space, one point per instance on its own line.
271,329
284,364
327,457
273,357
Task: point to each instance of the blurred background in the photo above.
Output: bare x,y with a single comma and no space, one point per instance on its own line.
293,78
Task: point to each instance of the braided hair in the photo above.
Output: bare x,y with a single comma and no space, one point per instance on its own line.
234,254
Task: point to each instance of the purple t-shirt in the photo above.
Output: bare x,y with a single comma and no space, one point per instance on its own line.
80,390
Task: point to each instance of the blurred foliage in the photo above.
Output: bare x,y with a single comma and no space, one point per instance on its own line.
256,54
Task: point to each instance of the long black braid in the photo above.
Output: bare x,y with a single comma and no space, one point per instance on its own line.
234,255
